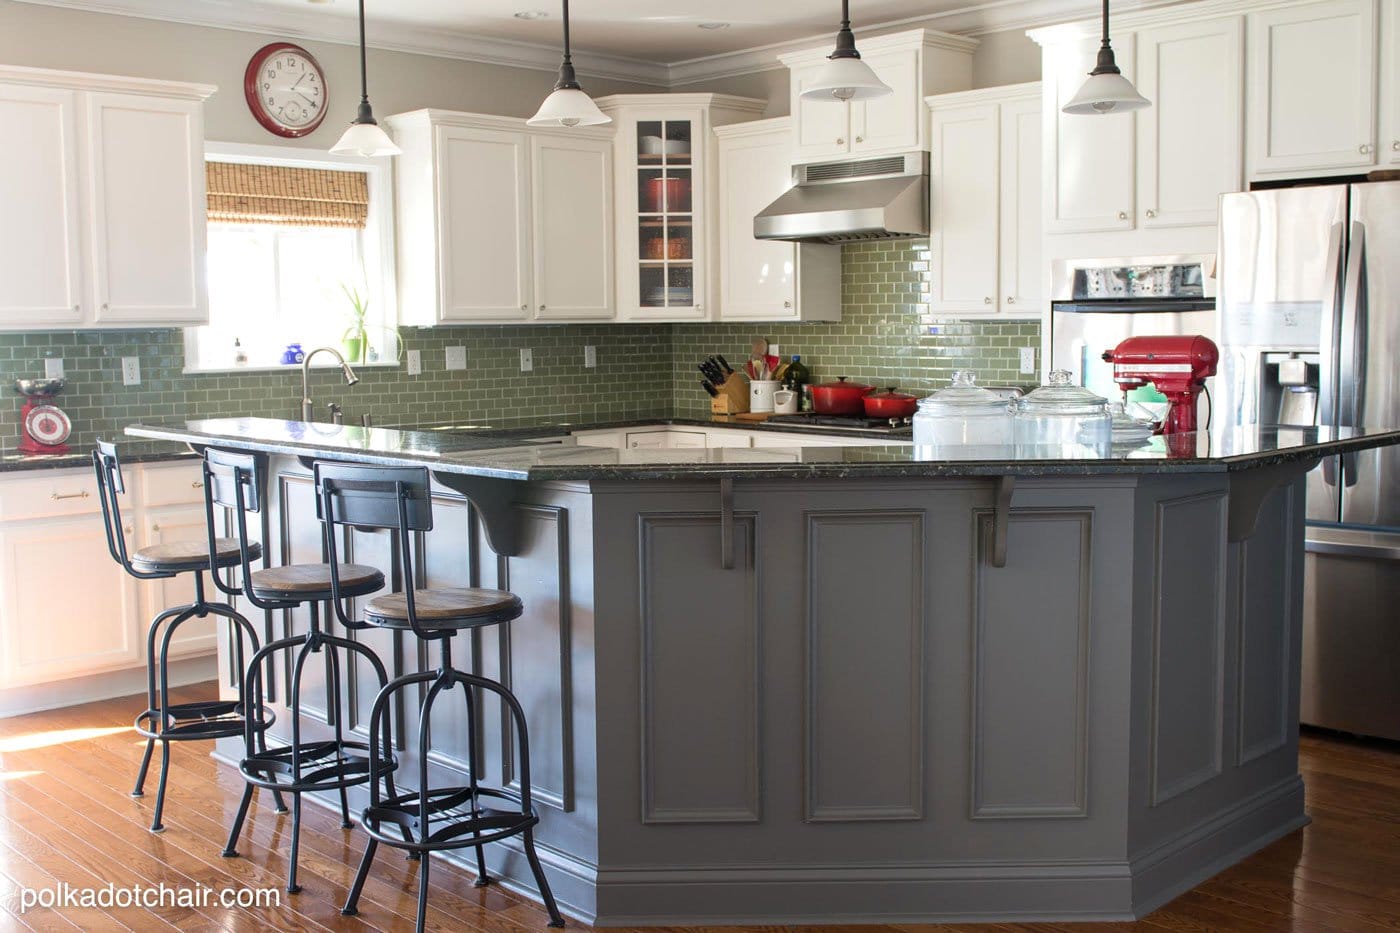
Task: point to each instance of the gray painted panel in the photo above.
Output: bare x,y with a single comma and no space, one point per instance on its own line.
1030,751
699,670
1188,630
865,665
1266,589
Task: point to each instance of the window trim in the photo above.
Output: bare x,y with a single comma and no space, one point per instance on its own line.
380,265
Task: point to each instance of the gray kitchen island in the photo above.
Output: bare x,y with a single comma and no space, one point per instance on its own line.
858,684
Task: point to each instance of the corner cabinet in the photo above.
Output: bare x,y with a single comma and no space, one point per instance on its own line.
665,166
110,187
502,223
767,280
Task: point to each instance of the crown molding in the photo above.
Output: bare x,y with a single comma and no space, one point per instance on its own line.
986,95
83,81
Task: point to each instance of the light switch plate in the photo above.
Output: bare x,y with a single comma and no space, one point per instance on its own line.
1027,360
590,356
456,358
131,370
527,360
415,362
53,368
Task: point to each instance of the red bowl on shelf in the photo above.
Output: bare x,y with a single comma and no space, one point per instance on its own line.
667,194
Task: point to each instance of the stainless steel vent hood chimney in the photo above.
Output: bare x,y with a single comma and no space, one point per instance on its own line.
841,202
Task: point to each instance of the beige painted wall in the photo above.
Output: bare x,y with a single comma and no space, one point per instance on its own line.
50,37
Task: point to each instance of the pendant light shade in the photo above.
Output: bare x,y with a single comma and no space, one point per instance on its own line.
1106,91
567,104
364,136
845,76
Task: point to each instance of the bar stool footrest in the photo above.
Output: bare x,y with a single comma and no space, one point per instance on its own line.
208,719
337,764
451,815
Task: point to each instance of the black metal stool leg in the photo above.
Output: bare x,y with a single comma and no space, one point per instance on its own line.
292,886
156,825
231,849
482,878
422,893
138,791
352,902
555,920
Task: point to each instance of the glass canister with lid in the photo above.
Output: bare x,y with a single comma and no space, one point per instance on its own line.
963,415
1061,420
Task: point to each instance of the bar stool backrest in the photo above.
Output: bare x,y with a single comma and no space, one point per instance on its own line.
374,498
235,481
110,488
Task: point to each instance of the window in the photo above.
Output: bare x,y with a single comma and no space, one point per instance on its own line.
292,236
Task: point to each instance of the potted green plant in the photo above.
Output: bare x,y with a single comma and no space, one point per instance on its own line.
355,341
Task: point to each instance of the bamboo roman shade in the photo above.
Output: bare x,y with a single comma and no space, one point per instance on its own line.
284,194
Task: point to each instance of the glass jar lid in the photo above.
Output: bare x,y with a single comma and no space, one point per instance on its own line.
964,397
1060,396
1126,428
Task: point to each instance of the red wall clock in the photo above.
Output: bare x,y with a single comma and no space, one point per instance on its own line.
285,89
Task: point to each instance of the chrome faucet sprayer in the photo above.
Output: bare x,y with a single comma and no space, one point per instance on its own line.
308,408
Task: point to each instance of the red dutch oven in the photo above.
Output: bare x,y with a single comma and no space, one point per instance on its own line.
839,397
890,404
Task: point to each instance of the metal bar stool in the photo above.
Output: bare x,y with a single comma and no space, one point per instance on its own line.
430,819
303,765
163,721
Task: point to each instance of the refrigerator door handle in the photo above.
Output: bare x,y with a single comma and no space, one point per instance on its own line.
1351,374
1349,470
1329,470
1327,388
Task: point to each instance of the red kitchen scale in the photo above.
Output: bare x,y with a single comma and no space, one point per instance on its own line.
43,424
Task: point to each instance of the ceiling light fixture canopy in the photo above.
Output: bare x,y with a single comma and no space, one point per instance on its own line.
567,104
845,76
1106,91
364,136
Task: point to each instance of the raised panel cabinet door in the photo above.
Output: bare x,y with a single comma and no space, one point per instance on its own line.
964,210
40,242
173,526
1190,144
823,129
147,210
1089,159
1020,207
52,628
756,276
572,196
891,123
1312,87
483,203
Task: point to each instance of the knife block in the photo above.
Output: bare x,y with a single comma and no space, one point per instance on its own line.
733,398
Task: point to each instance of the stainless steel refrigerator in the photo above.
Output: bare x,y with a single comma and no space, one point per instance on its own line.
1309,332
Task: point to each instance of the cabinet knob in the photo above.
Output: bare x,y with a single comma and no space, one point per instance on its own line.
1395,146
986,301
1364,148
1122,215
1011,299
860,139
524,307
197,484
840,140
699,307
104,306
1151,213
788,303
541,307
77,309
155,528
127,530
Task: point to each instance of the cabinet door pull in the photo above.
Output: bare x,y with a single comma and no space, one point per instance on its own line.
986,301
840,140
1364,148
78,310
1395,146
1151,213
1122,215
787,304
68,495
104,306
155,528
197,484
1011,299
524,307
860,139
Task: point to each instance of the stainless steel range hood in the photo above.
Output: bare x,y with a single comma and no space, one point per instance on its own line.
841,202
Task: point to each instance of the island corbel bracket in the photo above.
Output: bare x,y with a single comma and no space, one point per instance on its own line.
494,501
1001,521
1249,489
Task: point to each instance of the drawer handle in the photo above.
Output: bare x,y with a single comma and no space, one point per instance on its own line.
68,495
197,484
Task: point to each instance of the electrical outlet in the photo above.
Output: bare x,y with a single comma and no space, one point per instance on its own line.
131,370
527,360
53,368
590,357
415,362
1028,360
774,350
456,358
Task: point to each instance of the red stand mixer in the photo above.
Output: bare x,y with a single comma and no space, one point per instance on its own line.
1177,365
43,425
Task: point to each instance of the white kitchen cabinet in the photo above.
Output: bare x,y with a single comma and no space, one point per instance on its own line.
500,223
1390,85
914,63
1313,87
985,202
665,438
1190,142
767,280
729,439
172,525
104,202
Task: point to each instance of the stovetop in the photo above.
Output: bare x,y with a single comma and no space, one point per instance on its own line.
884,426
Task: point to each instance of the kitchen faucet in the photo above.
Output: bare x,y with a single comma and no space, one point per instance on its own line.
308,408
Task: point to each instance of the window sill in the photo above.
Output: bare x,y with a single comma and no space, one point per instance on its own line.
285,367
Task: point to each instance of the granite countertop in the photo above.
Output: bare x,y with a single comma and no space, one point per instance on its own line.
539,454
11,460
556,427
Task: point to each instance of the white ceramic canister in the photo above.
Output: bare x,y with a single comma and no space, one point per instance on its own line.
761,394
785,402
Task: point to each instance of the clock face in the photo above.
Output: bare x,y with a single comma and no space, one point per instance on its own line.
285,89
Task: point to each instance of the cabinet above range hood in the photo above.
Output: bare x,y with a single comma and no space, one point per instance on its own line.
842,202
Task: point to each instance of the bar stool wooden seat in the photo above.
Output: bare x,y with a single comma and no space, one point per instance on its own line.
430,819
303,764
163,721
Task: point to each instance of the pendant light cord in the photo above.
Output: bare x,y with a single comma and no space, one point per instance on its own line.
1105,65
845,39
364,73
1105,22
568,80
568,58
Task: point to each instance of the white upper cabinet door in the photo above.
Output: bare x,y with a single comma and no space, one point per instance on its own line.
1020,207
1190,141
756,276
964,214
1089,159
1312,87
572,193
40,242
483,204
823,126
1390,84
148,208
891,123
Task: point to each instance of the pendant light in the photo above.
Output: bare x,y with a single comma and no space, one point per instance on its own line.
567,104
1106,91
845,76
364,137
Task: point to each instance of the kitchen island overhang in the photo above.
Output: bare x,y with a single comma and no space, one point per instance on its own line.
768,691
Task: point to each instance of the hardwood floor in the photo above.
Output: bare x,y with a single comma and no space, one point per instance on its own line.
66,817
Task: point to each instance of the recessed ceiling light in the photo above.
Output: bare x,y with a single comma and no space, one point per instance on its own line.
713,25
532,14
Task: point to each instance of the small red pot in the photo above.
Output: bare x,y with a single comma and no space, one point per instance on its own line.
890,404
839,397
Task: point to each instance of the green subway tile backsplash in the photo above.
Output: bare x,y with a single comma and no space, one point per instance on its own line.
886,337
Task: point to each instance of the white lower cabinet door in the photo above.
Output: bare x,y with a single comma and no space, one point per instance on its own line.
572,197
639,439
964,180
67,609
729,439
173,526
